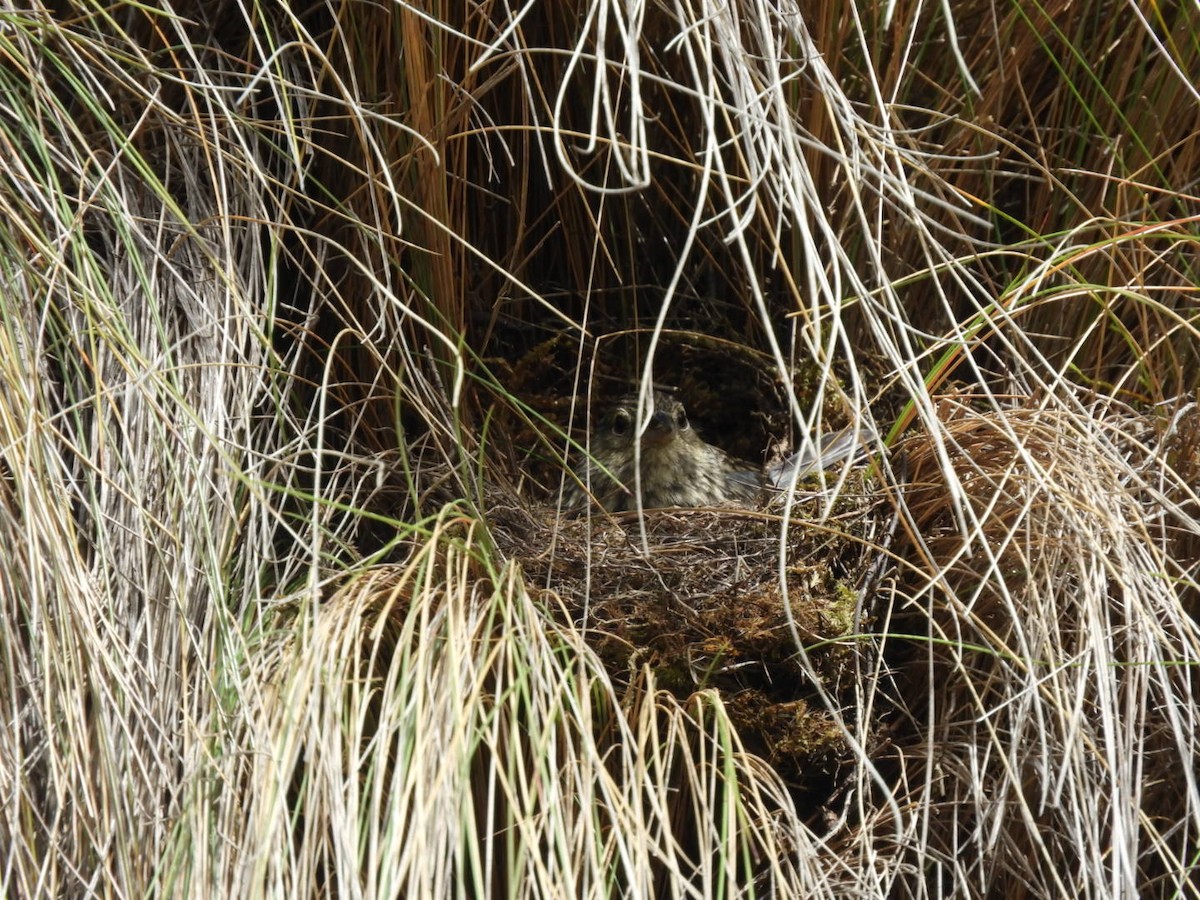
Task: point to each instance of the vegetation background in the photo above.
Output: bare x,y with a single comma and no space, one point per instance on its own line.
301,304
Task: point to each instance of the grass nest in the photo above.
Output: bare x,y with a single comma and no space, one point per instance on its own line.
699,602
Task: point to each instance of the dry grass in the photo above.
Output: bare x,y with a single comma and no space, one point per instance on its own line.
1059,637
477,716
304,313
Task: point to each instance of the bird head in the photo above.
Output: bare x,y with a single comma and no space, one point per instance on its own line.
668,421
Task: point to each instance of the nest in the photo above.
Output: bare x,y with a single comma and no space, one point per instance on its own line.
701,604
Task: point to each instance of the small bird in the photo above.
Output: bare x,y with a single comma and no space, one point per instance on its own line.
677,467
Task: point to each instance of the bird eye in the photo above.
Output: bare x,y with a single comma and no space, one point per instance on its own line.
681,420
620,422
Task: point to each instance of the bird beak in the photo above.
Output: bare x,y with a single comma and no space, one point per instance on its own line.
660,429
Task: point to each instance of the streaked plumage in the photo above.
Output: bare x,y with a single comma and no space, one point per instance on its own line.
677,467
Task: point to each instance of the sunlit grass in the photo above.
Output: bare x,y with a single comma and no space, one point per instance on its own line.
300,318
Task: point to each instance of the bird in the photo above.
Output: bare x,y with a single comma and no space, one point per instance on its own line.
677,467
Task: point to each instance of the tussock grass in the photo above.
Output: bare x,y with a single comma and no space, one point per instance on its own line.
447,695
1061,647
305,312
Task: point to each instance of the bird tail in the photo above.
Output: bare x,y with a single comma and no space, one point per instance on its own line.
853,443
